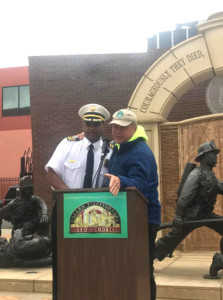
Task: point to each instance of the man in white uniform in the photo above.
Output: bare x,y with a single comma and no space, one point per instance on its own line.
68,168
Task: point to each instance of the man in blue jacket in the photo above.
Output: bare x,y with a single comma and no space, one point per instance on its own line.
132,163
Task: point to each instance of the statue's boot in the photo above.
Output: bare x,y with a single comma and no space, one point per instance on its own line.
217,264
168,243
160,250
221,245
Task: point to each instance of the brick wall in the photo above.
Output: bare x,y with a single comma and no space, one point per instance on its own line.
60,85
192,104
169,171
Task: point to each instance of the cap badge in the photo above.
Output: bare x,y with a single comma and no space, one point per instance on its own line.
93,108
119,114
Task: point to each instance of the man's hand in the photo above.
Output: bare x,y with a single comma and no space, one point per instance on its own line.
177,222
80,136
114,184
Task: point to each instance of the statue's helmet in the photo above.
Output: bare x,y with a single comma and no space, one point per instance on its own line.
25,182
205,148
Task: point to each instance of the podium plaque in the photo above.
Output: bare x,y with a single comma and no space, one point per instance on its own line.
95,215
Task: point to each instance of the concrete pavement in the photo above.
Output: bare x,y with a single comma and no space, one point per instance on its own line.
181,277
178,278
24,296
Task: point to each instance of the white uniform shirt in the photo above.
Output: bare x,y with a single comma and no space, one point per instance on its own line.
69,162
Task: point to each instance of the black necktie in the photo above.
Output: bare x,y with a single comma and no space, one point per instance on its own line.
89,167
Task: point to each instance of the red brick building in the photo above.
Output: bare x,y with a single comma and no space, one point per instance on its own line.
15,123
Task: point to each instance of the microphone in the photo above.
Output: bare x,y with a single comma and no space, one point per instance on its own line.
104,148
104,151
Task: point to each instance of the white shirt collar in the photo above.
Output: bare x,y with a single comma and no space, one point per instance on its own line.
96,145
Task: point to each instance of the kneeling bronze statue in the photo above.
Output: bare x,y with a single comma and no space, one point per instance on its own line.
25,251
27,211
196,202
30,245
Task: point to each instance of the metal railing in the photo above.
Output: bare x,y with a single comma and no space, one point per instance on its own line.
27,163
5,183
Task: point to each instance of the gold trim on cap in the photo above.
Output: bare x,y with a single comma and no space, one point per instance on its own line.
93,116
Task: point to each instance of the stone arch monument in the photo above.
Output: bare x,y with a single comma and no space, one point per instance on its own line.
174,73
165,82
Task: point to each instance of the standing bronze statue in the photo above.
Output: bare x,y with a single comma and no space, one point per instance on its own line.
195,203
27,211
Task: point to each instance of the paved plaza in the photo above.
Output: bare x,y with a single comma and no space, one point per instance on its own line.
178,278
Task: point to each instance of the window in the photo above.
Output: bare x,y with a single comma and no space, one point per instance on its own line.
15,101
214,95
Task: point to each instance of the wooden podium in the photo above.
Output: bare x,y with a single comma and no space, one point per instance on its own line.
105,268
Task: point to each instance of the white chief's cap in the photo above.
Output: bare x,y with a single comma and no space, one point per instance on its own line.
123,117
93,113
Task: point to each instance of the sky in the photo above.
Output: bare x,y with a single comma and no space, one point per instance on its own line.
61,27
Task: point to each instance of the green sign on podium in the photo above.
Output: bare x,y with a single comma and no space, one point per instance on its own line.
95,215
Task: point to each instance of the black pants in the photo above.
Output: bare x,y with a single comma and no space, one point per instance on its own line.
152,237
54,249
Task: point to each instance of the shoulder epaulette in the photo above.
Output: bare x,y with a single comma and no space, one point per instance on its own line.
73,139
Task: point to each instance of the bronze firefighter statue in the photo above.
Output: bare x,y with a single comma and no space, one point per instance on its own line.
30,244
27,211
25,251
196,202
